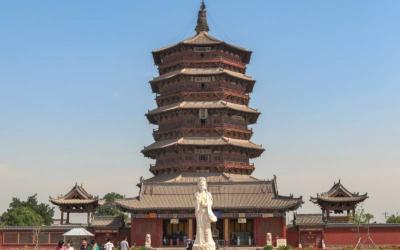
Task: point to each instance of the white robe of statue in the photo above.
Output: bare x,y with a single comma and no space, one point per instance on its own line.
204,217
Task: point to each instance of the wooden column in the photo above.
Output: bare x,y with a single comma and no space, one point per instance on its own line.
62,218
190,229
283,233
67,217
226,231
88,218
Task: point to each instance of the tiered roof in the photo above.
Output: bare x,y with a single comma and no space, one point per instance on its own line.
202,105
338,194
203,141
204,39
201,71
178,193
76,196
173,191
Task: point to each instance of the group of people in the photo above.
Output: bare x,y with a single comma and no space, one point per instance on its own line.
93,245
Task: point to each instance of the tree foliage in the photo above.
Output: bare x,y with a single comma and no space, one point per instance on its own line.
361,217
111,197
27,213
109,208
393,219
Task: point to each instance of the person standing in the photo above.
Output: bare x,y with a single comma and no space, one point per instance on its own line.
69,246
60,245
124,245
84,244
109,245
93,245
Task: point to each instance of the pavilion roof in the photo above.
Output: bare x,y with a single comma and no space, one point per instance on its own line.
202,141
338,193
250,194
77,195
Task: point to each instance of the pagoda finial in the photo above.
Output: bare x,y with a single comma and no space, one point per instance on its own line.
202,25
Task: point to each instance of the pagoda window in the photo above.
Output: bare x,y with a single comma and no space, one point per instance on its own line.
203,158
202,79
202,49
203,114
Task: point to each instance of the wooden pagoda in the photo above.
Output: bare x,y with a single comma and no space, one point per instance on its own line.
202,95
338,201
77,200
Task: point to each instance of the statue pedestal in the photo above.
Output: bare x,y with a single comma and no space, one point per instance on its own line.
204,246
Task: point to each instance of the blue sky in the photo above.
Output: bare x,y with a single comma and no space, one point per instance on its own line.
74,90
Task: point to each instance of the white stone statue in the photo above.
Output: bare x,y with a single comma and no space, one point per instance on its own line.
147,243
204,217
323,244
269,239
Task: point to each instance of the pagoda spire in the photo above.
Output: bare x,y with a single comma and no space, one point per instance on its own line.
202,25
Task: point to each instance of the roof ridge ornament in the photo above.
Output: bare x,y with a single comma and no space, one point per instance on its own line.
202,24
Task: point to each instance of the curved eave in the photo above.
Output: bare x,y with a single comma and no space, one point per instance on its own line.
137,208
73,202
356,199
155,86
201,39
296,204
202,72
151,150
185,105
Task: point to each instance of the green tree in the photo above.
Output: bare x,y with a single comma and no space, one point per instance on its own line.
111,197
393,219
21,216
361,217
30,213
109,208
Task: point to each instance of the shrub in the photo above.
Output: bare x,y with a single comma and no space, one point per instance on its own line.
284,248
268,248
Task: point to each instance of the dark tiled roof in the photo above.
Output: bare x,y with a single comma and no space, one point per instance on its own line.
203,141
308,220
252,194
192,177
77,195
202,38
203,105
201,71
108,221
338,193
343,199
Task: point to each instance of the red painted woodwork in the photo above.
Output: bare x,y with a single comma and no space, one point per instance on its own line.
141,227
341,236
262,226
101,238
349,236
292,236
